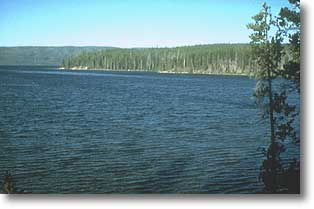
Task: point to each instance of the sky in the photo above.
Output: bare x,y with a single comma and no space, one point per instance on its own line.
127,23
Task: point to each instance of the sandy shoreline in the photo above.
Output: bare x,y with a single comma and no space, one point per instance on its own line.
161,72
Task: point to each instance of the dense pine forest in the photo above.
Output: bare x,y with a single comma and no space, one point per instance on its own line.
204,59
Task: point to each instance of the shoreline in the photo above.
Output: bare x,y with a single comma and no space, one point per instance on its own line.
157,71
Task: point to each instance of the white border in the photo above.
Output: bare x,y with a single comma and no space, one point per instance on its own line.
305,200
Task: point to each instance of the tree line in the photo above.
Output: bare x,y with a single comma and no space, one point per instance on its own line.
213,58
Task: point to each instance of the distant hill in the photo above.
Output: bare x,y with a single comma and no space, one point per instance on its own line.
42,55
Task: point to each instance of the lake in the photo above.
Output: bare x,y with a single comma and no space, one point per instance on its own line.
129,132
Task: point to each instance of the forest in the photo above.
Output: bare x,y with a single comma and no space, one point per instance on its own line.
201,59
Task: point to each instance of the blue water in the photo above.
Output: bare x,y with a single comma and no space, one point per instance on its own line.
120,132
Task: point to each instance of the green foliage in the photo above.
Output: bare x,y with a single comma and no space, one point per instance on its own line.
276,61
290,23
216,58
8,184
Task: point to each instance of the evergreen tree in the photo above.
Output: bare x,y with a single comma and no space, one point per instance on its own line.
290,22
268,50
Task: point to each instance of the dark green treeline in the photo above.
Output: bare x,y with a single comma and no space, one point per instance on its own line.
215,59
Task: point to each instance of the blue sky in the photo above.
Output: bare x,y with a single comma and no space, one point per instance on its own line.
127,23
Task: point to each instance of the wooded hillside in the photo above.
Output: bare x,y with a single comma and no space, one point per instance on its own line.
214,58
35,55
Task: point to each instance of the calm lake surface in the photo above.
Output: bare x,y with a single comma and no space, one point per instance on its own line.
120,132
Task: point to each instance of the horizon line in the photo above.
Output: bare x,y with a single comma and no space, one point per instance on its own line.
203,44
